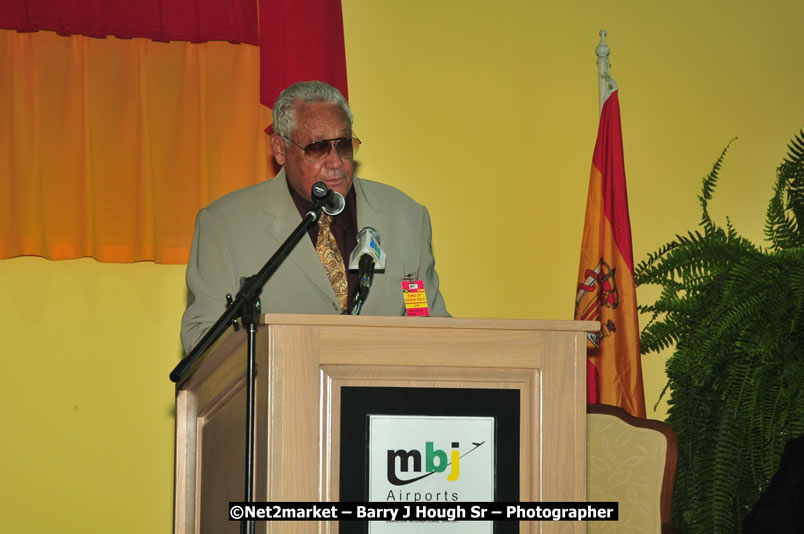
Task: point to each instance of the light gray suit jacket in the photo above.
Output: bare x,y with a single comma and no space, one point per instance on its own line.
236,235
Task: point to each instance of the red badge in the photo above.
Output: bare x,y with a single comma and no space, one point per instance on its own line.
415,298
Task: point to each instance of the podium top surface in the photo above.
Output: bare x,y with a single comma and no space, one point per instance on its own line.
426,322
230,338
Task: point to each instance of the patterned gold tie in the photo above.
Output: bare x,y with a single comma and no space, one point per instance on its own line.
330,256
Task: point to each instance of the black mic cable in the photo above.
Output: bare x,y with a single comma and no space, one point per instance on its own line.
365,257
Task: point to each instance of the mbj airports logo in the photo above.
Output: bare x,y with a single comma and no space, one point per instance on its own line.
431,458
405,466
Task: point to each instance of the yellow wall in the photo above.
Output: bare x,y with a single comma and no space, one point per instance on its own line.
87,438
486,112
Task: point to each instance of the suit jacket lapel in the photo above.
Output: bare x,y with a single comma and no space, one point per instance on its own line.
283,217
369,211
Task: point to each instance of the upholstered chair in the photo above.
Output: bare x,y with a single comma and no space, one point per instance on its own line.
631,461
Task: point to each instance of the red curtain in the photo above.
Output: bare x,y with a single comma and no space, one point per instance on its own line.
300,40
158,20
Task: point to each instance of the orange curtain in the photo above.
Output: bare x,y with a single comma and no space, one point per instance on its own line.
109,147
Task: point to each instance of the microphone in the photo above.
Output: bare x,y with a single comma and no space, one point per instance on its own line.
365,257
368,243
330,201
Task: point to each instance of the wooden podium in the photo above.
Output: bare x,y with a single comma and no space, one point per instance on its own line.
303,361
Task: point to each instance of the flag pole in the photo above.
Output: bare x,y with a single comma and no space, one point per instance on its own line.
606,83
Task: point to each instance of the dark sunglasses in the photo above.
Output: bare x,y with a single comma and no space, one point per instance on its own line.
318,150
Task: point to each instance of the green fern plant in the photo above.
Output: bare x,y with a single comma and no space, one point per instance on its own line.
734,313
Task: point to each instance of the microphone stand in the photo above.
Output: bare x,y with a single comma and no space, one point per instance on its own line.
245,308
366,271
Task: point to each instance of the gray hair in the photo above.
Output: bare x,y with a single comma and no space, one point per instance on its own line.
284,111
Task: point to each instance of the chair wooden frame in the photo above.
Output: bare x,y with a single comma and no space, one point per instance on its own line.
671,459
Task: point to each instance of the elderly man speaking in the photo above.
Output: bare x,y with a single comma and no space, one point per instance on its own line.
234,236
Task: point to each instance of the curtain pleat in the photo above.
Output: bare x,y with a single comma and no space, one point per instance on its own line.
109,147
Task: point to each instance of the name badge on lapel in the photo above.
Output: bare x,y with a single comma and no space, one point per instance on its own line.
415,298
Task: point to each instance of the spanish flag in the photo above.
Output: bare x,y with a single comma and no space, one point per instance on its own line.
605,288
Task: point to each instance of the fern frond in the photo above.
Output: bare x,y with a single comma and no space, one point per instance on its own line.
707,187
795,152
654,257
